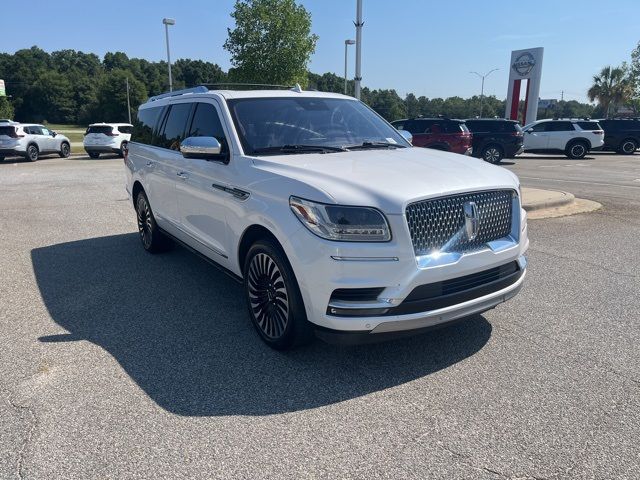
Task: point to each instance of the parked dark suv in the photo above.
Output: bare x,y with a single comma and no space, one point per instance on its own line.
495,139
621,135
438,133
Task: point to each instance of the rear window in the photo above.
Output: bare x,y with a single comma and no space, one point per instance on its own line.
589,125
100,129
8,131
455,127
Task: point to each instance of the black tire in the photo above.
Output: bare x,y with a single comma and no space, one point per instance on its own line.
32,153
492,154
94,155
152,238
65,150
123,147
274,301
628,147
576,150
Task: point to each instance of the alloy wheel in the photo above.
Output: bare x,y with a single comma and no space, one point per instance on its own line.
144,221
492,155
33,153
268,296
578,150
628,147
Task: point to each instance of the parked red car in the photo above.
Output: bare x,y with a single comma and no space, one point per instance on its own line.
438,133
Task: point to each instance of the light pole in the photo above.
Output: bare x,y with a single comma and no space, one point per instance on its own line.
346,44
358,23
167,22
482,88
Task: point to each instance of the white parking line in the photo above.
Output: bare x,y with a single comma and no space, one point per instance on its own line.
579,181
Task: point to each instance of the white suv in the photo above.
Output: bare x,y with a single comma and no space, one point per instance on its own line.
332,220
30,141
107,138
574,138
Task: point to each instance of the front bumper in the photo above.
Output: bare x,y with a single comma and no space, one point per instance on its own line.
321,267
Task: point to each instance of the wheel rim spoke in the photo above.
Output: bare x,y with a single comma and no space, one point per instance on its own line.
268,296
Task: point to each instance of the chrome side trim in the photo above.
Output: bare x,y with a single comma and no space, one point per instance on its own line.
346,305
233,191
339,258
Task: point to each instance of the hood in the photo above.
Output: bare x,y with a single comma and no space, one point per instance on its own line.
388,179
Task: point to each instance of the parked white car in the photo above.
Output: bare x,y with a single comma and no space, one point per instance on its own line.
31,140
107,138
573,138
332,220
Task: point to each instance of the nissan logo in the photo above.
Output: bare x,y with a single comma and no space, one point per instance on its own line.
524,64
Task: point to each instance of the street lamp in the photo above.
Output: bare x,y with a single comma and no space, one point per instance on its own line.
346,44
482,89
167,22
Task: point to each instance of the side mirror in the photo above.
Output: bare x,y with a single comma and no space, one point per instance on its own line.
53,134
407,136
529,130
201,147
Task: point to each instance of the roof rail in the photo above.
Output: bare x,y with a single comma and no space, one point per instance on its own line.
198,89
217,86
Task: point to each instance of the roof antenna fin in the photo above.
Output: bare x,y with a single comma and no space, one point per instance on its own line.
297,88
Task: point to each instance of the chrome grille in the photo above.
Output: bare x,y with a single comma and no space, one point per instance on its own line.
439,224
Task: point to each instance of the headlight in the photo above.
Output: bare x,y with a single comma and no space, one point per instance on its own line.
343,223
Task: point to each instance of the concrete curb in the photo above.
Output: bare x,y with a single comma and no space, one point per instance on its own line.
535,199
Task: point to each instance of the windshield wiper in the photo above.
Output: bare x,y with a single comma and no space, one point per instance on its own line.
367,145
299,148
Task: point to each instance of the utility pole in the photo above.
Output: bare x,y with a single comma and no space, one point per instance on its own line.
562,96
346,44
128,102
167,22
358,23
482,88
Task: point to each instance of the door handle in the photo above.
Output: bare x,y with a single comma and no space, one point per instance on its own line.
183,175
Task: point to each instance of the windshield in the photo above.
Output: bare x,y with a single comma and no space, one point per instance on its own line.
275,125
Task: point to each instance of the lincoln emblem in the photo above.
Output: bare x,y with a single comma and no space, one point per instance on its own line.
471,223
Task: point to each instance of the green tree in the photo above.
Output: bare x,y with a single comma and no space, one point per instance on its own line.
112,96
6,109
50,98
611,87
271,42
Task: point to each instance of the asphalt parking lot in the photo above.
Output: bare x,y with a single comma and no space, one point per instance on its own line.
119,364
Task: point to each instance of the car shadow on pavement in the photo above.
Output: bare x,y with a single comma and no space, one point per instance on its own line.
179,328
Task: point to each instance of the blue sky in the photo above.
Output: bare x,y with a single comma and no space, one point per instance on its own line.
421,46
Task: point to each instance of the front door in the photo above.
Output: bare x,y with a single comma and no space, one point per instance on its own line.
536,137
203,190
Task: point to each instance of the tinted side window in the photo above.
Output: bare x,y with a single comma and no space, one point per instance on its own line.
560,127
398,125
453,127
589,125
175,126
125,129
416,127
206,123
144,125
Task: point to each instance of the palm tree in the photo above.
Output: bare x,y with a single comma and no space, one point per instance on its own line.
611,87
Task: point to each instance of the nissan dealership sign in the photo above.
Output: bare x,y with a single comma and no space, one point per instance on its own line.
524,65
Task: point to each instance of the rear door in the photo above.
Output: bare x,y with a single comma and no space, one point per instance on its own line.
560,133
203,190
